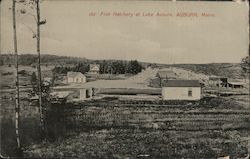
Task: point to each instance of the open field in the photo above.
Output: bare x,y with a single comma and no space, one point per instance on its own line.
8,75
29,123
119,129
139,143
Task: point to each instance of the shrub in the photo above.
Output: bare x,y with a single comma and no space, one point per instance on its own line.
7,73
22,72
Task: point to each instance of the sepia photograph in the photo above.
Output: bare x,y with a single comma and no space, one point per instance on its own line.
124,79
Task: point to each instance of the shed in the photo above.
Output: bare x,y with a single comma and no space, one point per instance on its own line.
86,93
154,82
181,90
76,77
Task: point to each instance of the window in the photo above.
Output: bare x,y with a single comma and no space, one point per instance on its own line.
190,93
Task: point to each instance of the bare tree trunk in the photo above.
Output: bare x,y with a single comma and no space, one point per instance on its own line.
39,66
17,105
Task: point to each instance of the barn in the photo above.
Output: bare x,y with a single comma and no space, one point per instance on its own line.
75,77
181,90
163,76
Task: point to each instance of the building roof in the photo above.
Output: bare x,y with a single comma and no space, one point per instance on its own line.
74,74
166,74
94,67
182,83
216,78
236,83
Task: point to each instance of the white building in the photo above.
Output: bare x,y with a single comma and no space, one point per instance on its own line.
181,90
94,69
75,77
86,93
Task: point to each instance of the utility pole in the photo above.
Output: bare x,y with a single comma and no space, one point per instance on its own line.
17,104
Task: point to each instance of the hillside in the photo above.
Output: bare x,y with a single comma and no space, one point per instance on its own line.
232,70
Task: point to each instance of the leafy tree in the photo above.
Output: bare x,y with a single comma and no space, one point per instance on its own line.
134,67
117,67
33,80
81,67
46,97
245,65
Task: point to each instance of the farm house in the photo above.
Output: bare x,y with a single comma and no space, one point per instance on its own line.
76,77
94,69
181,90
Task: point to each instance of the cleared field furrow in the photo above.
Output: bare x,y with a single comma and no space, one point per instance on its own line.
177,116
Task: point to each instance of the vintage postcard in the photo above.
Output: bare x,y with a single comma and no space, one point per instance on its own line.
124,79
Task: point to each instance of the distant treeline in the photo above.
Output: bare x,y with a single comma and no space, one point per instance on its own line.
106,66
120,67
63,64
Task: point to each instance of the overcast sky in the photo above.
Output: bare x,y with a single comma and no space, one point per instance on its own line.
71,31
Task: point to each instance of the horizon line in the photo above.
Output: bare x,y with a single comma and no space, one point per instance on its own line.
160,63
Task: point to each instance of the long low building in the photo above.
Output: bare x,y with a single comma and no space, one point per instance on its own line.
181,90
236,84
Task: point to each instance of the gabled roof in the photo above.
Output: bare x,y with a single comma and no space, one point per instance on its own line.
94,66
74,74
182,83
166,74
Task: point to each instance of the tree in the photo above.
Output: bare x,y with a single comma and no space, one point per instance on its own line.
39,64
46,97
245,65
36,4
133,67
17,99
33,80
81,67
